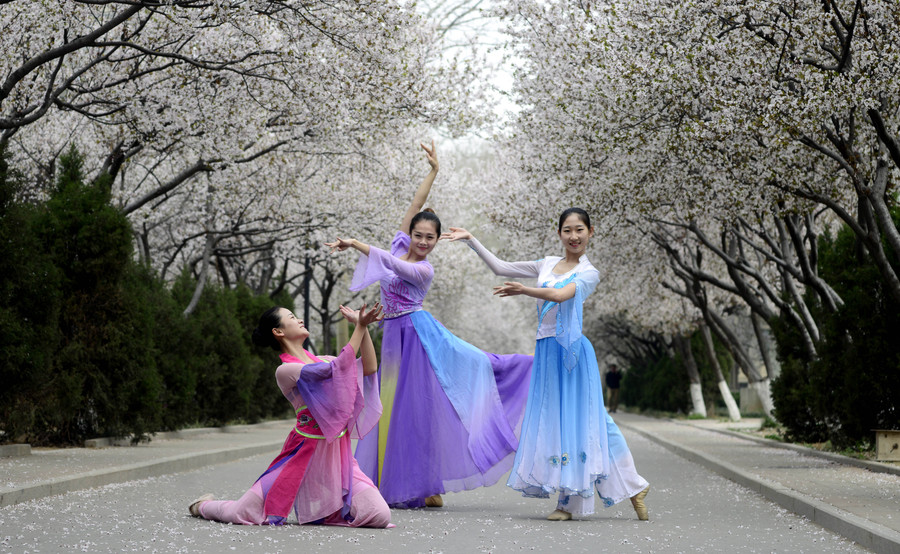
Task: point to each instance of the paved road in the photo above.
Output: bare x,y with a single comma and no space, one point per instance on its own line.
691,510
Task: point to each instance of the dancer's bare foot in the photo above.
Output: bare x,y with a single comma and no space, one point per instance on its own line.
434,501
639,507
560,515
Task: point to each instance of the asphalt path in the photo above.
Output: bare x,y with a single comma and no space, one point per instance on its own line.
691,510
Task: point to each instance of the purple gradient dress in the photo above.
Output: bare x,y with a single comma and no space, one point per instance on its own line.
450,411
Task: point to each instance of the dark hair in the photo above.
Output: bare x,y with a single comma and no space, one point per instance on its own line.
428,215
583,215
262,335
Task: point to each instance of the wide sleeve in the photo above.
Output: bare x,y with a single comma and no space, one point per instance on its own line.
368,417
503,268
335,392
570,318
380,264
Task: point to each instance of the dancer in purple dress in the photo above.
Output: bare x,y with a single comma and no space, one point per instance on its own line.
336,399
451,411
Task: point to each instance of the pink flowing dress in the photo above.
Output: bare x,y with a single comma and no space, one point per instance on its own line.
316,473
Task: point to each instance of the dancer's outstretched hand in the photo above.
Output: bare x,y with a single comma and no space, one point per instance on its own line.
456,233
431,155
373,315
352,315
340,245
509,289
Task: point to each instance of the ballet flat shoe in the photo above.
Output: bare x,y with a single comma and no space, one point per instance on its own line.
434,501
559,515
194,508
639,507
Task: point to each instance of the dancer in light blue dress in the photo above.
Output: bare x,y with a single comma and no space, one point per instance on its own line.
568,444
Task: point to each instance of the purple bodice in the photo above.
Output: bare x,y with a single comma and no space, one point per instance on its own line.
403,284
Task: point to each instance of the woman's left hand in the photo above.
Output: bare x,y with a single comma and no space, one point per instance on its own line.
431,156
511,288
455,234
364,318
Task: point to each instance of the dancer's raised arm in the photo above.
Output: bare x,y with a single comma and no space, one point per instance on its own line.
366,348
498,266
342,244
424,188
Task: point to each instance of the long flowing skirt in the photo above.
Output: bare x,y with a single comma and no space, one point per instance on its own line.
320,481
450,413
569,444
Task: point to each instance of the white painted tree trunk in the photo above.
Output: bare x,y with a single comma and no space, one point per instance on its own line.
733,412
697,399
761,389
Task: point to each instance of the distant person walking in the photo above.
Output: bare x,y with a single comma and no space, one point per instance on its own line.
613,377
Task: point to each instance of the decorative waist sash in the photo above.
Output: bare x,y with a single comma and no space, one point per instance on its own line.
307,426
399,314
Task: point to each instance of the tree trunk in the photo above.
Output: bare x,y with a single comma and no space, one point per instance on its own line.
683,347
207,254
764,346
733,343
307,278
761,390
733,412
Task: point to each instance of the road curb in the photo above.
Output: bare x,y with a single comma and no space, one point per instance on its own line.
877,467
867,534
165,466
15,450
105,442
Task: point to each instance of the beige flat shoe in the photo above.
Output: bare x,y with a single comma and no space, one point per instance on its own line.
639,507
434,501
194,508
559,515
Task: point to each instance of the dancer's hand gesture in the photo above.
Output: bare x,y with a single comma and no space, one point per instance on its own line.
364,318
340,245
352,315
431,155
511,288
456,233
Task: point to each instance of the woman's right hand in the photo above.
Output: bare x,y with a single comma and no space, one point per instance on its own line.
340,245
456,233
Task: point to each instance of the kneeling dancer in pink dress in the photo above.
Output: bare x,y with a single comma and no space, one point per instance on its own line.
336,399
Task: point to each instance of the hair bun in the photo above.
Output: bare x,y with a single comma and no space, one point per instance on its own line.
429,210
259,338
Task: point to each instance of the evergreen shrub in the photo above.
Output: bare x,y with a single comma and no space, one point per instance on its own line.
93,343
852,386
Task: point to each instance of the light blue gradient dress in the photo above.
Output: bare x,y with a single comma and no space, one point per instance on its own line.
568,444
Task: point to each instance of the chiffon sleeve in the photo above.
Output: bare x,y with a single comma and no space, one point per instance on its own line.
335,392
570,318
503,268
380,264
